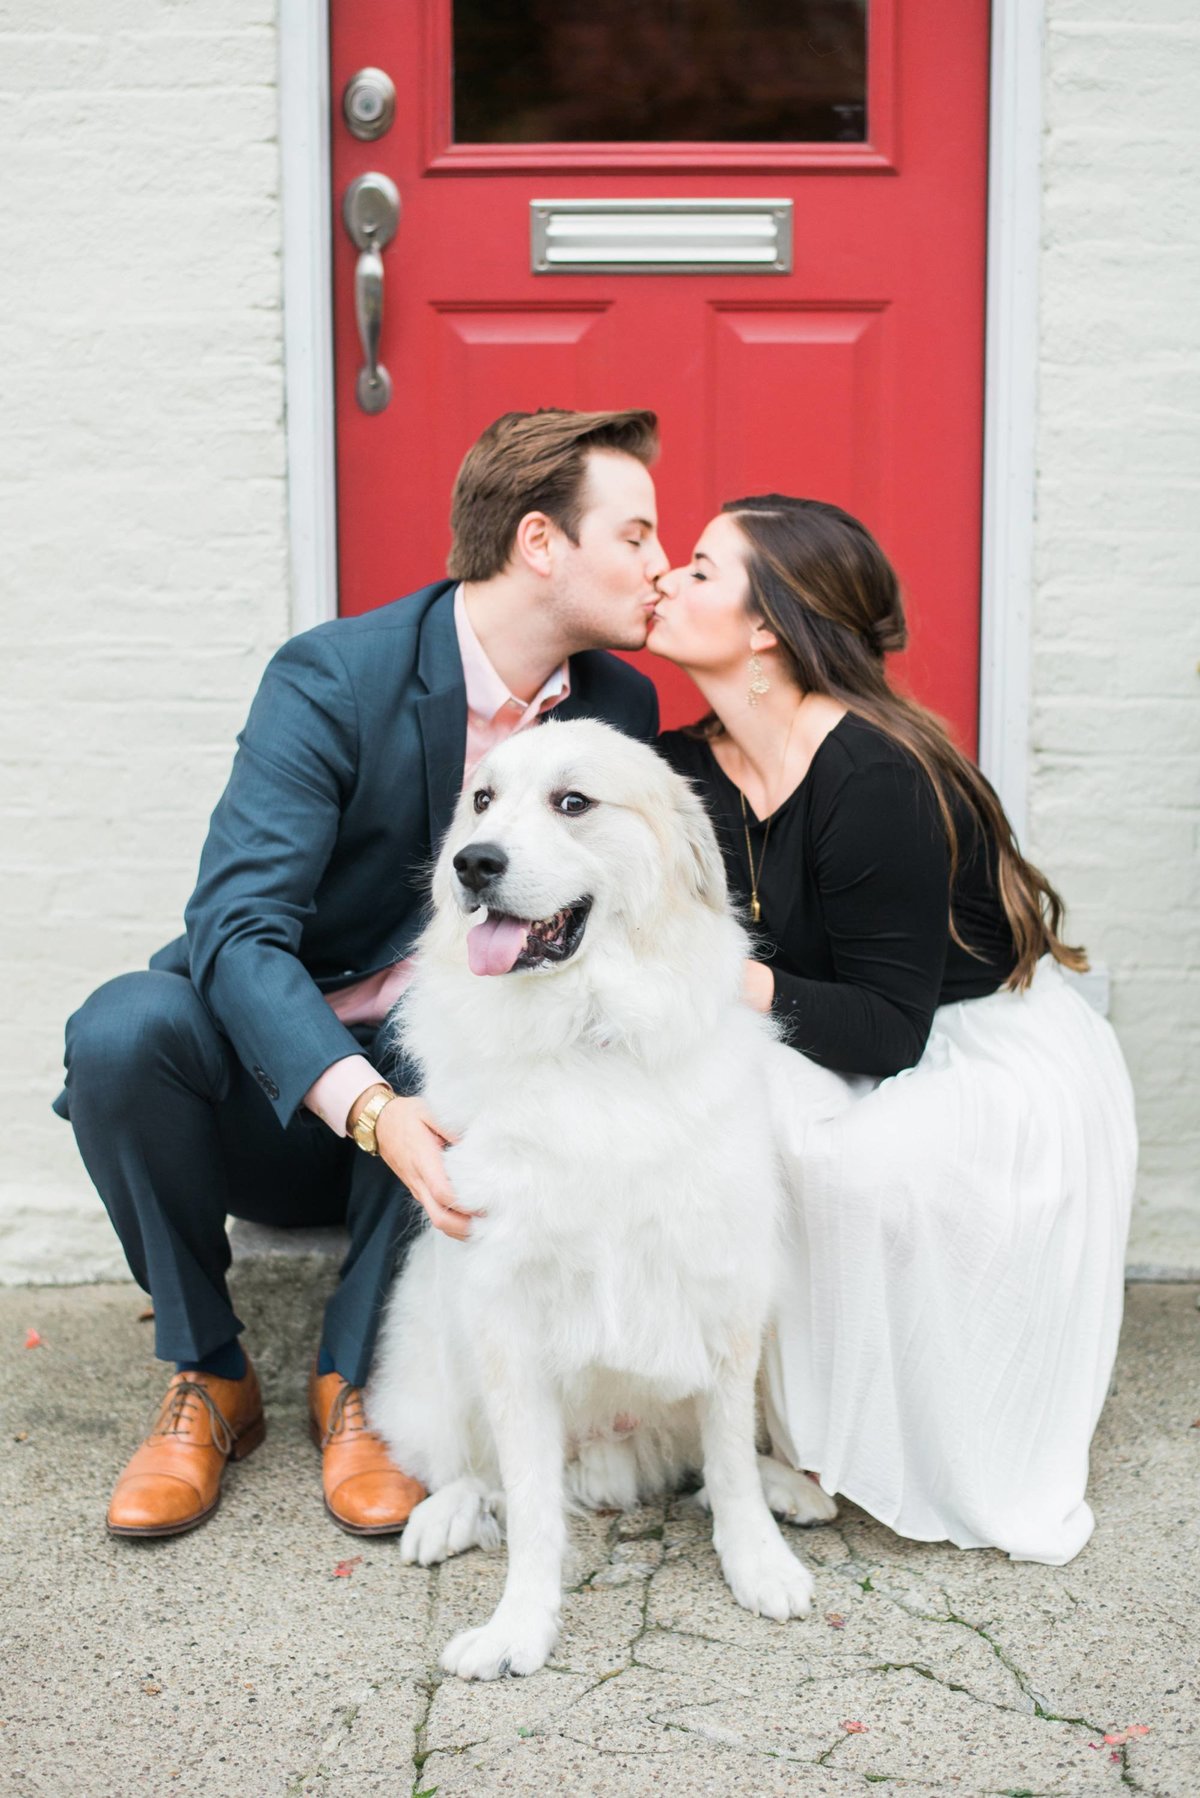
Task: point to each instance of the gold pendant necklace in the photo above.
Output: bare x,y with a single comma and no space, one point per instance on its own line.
755,907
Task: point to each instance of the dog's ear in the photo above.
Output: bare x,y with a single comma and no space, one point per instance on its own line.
705,868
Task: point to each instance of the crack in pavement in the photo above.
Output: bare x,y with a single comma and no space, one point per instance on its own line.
614,1753
655,1532
422,1755
822,1759
870,1578
1035,1702
644,1627
429,1685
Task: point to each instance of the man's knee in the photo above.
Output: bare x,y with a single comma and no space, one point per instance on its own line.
139,1026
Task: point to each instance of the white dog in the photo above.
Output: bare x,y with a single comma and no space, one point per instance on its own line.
584,1038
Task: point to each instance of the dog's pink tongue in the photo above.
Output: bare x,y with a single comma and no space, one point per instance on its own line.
494,946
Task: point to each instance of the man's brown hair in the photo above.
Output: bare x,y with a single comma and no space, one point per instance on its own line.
533,462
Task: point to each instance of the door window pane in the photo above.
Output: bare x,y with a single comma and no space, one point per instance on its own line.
660,71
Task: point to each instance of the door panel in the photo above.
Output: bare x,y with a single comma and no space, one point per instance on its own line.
828,364
857,377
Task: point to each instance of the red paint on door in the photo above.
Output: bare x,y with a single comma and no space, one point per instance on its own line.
857,378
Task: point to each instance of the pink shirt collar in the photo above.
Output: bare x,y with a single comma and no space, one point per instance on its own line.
487,695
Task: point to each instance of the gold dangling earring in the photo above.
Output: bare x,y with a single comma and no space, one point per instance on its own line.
759,684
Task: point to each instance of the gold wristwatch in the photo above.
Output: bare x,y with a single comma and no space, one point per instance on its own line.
362,1127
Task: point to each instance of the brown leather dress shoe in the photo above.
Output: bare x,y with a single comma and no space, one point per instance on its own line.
173,1481
365,1492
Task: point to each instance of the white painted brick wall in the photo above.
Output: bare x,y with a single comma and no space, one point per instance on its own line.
142,505
1115,790
142,512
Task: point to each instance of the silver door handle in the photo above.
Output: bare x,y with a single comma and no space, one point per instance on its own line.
371,213
374,385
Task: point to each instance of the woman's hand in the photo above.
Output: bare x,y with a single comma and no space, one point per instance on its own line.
412,1144
758,985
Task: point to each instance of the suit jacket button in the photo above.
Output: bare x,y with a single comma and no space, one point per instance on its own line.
265,1081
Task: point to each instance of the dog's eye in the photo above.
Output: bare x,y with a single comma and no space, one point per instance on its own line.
572,805
483,799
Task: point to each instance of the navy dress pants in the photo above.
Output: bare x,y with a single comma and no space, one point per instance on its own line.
177,1136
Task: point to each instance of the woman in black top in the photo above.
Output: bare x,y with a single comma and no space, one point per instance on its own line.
855,842
957,1124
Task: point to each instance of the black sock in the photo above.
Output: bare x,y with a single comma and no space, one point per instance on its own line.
227,1362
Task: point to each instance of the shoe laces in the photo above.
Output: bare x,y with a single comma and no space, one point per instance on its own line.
347,1414
178,1414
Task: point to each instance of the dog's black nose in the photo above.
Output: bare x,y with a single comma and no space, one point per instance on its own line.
479,865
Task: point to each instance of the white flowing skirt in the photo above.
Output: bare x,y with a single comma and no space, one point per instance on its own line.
952,1278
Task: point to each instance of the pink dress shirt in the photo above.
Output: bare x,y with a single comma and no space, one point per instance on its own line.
492,714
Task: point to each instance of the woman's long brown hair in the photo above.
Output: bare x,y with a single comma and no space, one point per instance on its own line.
821,583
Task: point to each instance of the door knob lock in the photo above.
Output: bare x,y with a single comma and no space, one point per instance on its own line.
369,104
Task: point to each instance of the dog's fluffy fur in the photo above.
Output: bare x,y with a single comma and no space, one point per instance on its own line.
607,1311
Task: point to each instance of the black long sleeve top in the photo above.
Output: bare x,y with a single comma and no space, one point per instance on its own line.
854,890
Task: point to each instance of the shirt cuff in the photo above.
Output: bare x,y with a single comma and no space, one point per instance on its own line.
333,1093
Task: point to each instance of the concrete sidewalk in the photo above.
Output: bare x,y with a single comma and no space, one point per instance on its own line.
238,1662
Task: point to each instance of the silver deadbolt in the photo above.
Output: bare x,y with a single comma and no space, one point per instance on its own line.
369,104
371,213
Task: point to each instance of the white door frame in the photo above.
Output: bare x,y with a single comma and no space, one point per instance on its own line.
1010,401
1010,392
304,124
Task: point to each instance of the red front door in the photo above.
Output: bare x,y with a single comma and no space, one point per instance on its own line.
855,377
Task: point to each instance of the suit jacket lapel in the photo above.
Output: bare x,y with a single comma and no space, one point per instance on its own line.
441,713
577,704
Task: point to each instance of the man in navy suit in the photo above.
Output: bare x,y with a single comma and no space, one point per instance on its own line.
247,1071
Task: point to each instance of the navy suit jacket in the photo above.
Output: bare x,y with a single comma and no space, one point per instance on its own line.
315,870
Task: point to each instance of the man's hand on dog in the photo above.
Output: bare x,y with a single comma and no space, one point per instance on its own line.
411,1143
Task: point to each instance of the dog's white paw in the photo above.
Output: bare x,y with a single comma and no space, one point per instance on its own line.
769,1580
451,1520
789,1494
513,1642
793,1495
